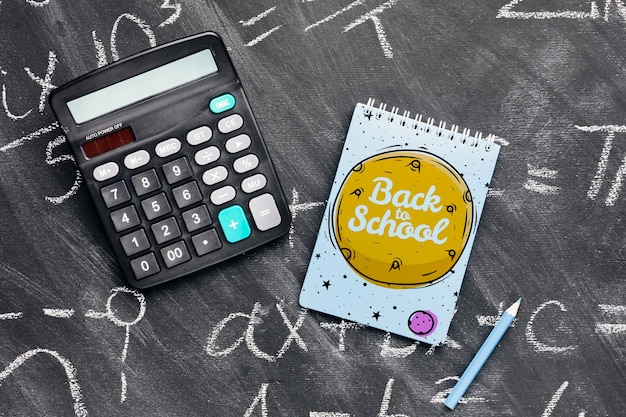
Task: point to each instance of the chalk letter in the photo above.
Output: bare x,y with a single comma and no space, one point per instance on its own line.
293,331
532,338
6,106
261,397
342,327
142,25
388,351
384,406
45,83
440,397
211,347
54,161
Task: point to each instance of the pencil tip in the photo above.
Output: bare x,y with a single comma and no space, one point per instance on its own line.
514,307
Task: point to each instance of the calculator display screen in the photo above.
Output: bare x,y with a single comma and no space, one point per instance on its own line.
142,86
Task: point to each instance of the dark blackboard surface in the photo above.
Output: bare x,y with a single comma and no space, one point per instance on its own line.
546,77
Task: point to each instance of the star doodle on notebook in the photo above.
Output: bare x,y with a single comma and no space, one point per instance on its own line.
400,223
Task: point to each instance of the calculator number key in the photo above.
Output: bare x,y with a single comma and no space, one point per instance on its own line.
156,206
175,254
166,230
145,265
135,242
124,218
177,170
187,194
115,194
145,182
197,218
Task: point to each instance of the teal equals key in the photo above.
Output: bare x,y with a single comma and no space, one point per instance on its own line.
234,223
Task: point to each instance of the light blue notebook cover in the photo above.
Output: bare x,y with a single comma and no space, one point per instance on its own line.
399,224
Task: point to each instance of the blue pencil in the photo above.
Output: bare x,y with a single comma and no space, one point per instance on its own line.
482,355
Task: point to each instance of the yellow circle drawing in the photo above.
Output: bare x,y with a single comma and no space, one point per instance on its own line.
402,218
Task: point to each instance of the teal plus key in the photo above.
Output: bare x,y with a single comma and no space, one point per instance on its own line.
234,223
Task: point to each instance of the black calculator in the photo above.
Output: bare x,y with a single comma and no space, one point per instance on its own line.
173,159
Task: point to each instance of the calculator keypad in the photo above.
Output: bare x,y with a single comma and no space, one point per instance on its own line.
189,196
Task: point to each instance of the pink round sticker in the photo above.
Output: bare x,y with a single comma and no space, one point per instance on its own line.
423,322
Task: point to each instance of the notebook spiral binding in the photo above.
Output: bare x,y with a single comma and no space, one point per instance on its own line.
417,123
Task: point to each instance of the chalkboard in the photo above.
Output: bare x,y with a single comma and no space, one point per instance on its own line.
546,77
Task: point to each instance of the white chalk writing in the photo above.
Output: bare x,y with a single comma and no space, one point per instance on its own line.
295,208
530,332
598,179
372,15
507,12
380,30
70,373
248,335
59,313
260,398
46,82
541,187
50,160
254,20
110,315
341,328
174,17
440,397
612,328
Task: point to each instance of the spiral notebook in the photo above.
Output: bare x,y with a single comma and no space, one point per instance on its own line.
400,222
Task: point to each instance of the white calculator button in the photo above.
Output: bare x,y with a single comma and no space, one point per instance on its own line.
136,159
238,143
199,135
265,212
106,171
246,163
230,123
215,175
253,183
207,155
223,195
167,147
